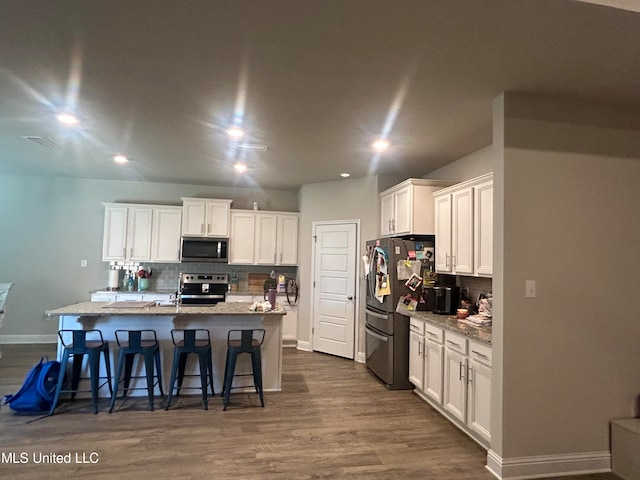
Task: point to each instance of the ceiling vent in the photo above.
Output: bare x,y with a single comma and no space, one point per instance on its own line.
252,146
43,142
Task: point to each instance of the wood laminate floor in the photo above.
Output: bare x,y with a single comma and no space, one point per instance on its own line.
332,420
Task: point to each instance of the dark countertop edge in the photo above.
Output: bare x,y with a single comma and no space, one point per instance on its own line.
480,334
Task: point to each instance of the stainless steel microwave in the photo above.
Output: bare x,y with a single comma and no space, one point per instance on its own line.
196,249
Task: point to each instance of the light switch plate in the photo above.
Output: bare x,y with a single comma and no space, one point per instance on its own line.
530,289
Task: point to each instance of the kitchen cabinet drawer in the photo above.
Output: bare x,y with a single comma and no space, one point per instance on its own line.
455,342
103,297
433,333
480,352
417,326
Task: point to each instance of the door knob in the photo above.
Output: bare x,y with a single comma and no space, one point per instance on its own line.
349,298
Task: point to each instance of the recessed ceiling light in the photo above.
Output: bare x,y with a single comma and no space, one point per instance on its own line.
345,175
380,145
120,159
240,167
67,119
235,132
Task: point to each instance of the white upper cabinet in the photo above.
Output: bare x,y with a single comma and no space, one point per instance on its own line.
242,239
266,238
287,241
483,228
464,227
165,238
141,233
203,217
407,208
263,238
127,233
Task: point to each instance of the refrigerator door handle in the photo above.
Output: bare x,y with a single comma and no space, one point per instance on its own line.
376,314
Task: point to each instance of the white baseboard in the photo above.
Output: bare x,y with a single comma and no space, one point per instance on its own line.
53,338
306,346
361,357
545,466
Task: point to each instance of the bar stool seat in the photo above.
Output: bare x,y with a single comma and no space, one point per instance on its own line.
132,343
83,342
243,341
197,341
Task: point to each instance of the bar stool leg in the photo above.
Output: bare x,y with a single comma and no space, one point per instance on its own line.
210,365
174,373
181,368
204,368
228,378
256,365
107,364
148,363
77,368
114,394
159,370
61,374
128,367
94,371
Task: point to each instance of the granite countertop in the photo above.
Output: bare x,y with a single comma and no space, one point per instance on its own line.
98,309
482,334
162,291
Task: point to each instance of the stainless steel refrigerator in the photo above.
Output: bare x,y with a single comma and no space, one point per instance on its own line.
387,332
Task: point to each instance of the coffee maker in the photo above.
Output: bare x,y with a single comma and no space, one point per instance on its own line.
446,299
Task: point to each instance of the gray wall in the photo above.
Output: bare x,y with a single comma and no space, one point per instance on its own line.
566,203
50,224
570,357
340,200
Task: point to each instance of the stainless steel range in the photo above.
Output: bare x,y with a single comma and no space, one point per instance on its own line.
203,288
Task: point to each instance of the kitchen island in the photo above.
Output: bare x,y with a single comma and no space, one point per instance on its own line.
218,319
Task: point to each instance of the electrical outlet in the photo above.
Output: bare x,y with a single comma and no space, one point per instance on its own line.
83,264
530,289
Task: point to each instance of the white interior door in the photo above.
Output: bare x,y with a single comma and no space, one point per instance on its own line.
334,289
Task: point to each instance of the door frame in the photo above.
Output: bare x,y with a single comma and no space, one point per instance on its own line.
356,311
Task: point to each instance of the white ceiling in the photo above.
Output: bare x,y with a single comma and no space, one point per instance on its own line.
316,81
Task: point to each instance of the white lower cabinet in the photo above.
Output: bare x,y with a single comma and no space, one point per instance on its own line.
433,362
453,373
289,321
130,297
479,390
416,353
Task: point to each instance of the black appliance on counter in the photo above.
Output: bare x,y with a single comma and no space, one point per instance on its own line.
387,332
446,299
203,288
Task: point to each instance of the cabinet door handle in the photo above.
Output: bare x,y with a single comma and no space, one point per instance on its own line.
419,352
431,334
393,224
446,260
124,252
479,354
461,372
131,252
202,228
457,345
208,228
280,257
469,374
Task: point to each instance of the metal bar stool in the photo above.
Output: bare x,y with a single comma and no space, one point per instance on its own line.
196,341
84,342
132,343
243,341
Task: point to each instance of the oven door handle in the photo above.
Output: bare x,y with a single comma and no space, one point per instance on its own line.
376,314
202,296
375,335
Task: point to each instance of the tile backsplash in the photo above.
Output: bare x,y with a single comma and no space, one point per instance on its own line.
166,275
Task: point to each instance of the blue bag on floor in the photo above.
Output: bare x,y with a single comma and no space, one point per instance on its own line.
38,389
